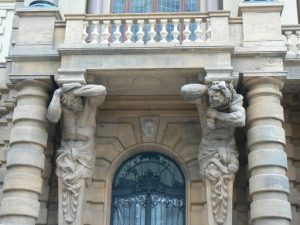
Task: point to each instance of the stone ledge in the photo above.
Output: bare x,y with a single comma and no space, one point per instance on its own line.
39,12
261,50
34,52
260,7
278,74
87,49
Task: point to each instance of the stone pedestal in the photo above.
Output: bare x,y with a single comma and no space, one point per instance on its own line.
268,184
25,158
261,23
228,214
78,204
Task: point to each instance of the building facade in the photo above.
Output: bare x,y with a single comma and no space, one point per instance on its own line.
130,112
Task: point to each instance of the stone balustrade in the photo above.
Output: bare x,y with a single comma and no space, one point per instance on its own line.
142,30
177,30
292,37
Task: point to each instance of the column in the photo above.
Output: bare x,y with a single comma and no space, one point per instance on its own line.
212,5
94,7
268,184
25,158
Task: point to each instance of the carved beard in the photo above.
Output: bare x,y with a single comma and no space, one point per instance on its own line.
217,99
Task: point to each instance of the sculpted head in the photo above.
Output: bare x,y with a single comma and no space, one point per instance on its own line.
71,102
219,94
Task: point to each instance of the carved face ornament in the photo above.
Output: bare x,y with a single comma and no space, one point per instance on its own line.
149,128
219,95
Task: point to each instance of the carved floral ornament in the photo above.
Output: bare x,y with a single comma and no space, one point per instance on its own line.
220,111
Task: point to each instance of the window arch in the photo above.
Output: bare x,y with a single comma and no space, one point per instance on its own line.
150,6
148,189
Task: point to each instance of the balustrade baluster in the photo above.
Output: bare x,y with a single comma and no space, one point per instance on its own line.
84,31
187,32
152,32
175,32
198,31
128,32
289,42
106,33
117,33
163,32
208,30
140,33
95,33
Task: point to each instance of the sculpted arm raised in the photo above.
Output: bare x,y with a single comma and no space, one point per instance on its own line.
235,117
194,93
54,109
96,93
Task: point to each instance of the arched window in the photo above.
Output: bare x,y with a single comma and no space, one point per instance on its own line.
150,6
148,189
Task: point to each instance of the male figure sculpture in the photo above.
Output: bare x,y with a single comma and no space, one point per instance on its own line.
220,111
76,106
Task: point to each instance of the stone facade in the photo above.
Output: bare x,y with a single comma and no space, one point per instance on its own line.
56,55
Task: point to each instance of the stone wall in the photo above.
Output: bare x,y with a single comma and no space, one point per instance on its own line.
121,134
292,129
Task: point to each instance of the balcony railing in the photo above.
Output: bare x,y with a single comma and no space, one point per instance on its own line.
292,36
150,30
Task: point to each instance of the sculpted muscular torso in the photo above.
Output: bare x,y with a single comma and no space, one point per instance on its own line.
76,106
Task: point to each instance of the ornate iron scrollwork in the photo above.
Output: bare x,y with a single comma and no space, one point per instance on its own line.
148,189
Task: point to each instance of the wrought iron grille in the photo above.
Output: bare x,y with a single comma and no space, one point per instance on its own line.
148,189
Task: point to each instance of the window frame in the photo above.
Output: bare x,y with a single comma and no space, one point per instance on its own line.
179,169
154,6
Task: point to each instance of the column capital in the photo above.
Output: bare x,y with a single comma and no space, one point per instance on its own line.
70,76
258,81
218,74
44,84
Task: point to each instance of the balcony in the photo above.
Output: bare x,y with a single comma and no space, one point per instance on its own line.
149,30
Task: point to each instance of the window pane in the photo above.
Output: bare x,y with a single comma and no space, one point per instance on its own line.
148,189
168,6
191,6
146,6
119,6
141,6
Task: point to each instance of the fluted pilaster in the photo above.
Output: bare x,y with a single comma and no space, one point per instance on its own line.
25,158
268,184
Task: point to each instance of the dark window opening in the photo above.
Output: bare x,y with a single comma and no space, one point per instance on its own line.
148,189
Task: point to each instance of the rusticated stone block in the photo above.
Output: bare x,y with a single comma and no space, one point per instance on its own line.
93,214
198,194
96,192
271,208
